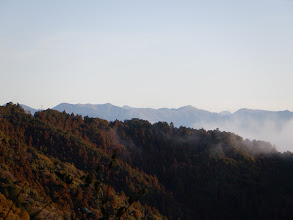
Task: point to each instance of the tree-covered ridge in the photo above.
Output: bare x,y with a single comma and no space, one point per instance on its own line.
45,157
62,164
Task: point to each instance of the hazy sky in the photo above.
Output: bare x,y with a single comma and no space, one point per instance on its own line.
214,55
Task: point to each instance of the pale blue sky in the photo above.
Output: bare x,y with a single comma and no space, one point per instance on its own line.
214,55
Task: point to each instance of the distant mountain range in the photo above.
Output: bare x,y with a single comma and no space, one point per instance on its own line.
273,126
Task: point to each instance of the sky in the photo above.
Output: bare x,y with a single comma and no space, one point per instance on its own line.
214,55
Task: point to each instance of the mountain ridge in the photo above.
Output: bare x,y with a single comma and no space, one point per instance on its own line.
224,112
159,171
249,123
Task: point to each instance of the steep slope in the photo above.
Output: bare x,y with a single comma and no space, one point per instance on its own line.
39,160
61,164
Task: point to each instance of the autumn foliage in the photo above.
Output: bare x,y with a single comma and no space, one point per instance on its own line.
55,165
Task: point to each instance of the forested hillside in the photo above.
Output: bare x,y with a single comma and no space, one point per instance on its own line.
248,123
56,165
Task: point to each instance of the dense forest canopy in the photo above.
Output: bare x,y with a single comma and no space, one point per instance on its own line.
55,165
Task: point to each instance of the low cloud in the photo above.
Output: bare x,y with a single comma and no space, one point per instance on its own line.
277,133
